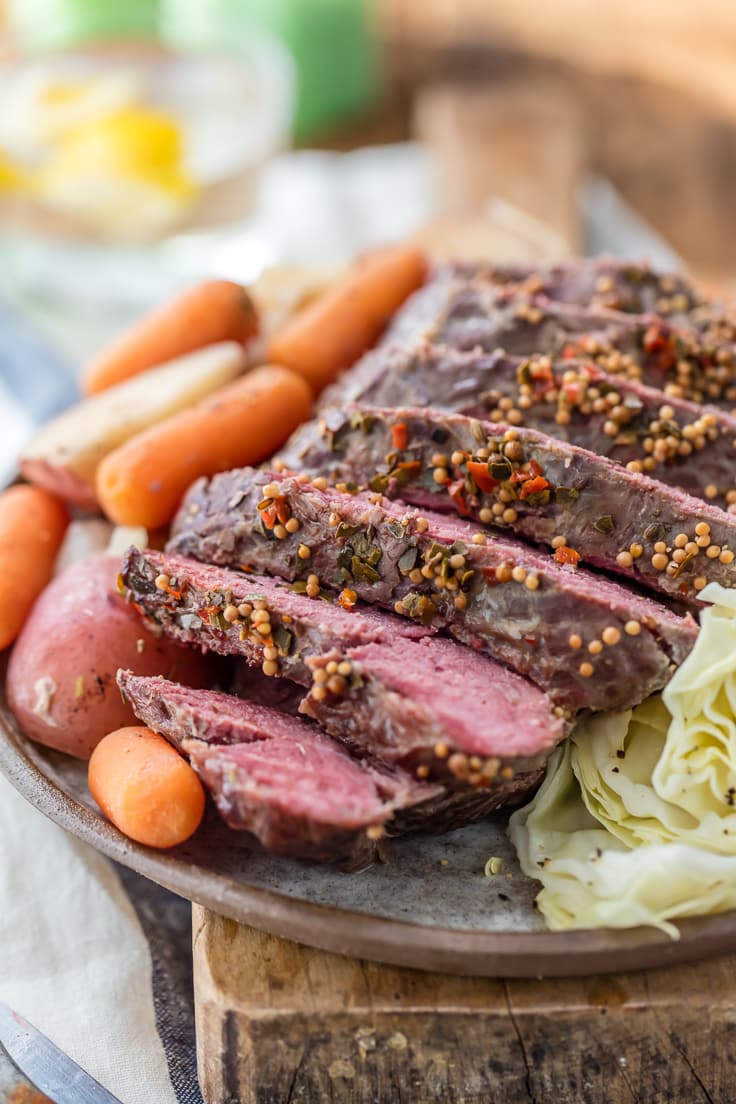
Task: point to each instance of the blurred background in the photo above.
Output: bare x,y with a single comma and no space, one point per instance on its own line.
145,144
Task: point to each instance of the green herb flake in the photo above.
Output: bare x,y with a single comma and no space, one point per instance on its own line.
283,639
365,550
364,572
359,420
524,372
408,560
379,483
344,560
345,530
395,528
566,495
501,468
419,607
604,524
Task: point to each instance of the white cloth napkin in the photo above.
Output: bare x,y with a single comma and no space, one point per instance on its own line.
74,960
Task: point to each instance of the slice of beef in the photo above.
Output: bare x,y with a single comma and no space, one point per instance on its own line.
543,489
634,288
310,800
675,441
698,364
182,713
499,596
282,779
367,672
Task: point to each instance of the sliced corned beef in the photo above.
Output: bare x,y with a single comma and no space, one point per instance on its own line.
298,791
508,725
517,478
500,596
698,364
675,441
631,287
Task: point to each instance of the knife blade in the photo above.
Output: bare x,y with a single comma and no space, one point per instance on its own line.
47,1067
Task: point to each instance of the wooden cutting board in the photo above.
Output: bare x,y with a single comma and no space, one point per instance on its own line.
278,1022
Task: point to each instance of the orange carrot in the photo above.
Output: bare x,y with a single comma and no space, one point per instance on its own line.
32,525
142,482
332,332
217,310
145,787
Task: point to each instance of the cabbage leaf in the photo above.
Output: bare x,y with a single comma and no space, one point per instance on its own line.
635,822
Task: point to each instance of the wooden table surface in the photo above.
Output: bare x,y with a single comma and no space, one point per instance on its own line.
278,1022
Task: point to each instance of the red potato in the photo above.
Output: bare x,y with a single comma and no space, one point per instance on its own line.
145,787
61,677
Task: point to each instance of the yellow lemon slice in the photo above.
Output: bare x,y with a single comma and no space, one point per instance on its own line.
121,175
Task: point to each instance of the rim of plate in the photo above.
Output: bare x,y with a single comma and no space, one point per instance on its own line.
359,934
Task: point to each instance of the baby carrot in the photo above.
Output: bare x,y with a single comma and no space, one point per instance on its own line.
217,310
32,525
143,481
145,787
333,331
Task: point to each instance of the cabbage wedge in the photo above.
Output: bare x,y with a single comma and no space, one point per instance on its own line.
635,822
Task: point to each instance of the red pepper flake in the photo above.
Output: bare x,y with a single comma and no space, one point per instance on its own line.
541,371
658,342
400,436
535,470
654,340
565,555
170,590
411,466
489,576
282,510
533,486
456,492
483,478
347,599
268,516
569,352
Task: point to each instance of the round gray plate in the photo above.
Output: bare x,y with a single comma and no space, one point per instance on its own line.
429,906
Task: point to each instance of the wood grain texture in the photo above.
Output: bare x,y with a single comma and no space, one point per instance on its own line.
679,44
278,1022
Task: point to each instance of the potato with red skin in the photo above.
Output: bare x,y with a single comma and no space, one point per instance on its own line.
61,677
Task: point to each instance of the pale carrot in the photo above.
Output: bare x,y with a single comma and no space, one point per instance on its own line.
145,787
332,332
217,310
143,481
32,525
